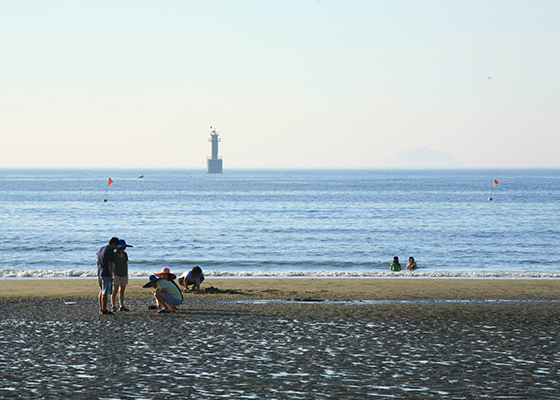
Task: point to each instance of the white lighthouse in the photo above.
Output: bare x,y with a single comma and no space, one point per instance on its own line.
214,164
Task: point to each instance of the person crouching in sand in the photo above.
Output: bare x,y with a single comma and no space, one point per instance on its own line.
194,277
167,295
166,274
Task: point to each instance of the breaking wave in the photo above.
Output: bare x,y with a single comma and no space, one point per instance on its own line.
53,273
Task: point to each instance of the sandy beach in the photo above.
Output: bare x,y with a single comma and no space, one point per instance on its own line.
305,289
284,339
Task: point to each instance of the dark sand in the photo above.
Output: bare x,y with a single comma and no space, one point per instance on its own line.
238,342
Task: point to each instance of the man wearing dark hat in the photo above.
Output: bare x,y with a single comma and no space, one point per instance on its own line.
105,272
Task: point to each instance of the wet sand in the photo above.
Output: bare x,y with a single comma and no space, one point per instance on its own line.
280,339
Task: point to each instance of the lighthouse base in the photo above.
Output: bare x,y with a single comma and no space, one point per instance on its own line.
214,166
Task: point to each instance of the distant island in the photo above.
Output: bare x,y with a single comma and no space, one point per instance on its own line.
422,158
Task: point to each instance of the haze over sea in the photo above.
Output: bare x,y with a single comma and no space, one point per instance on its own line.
283,222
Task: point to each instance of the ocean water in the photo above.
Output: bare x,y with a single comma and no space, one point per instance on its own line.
283,222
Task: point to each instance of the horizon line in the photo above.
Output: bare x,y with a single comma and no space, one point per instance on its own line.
462,168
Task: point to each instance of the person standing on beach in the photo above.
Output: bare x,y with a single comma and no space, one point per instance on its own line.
121,276
105,271
395,265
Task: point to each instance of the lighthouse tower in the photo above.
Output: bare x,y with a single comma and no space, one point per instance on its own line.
214,164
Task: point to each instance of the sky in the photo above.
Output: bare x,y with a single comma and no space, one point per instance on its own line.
286,83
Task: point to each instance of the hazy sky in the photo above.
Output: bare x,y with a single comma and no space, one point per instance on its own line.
286,83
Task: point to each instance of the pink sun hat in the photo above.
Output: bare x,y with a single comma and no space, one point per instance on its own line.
165,271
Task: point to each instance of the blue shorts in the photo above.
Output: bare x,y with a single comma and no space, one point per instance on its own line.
172,301
105,284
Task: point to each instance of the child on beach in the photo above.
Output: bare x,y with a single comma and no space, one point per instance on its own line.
166,293
120,279
395,266
194,277
411,263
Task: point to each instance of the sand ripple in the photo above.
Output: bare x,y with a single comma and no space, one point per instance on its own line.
53,350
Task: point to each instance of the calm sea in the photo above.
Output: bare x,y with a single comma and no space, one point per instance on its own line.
283,222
